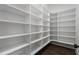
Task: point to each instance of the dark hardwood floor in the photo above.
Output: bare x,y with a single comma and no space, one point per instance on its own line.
51,49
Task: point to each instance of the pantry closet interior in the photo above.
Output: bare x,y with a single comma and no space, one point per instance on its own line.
25,29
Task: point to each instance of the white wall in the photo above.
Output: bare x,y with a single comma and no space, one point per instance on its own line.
60,7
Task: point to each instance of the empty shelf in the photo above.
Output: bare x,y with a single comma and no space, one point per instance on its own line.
63,42
10,36
13,49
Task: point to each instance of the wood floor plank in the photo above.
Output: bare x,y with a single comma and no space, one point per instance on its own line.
52,49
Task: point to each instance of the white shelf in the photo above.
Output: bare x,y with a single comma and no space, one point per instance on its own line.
11,14
18,9
39,32
63,26
38,39
46,31
17,35
67,15
67,36
38,7
37,16
64,21
46,25
46,44
67,20
46,36
21,10
53,35
34,52
11,36
12,8
67,10
37,24
36,32
35,41
13,49
11,21
62,31
63,42
63,36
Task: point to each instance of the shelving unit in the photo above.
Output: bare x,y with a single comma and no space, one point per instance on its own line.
53,26
27,28
42,28
63,28
24,28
